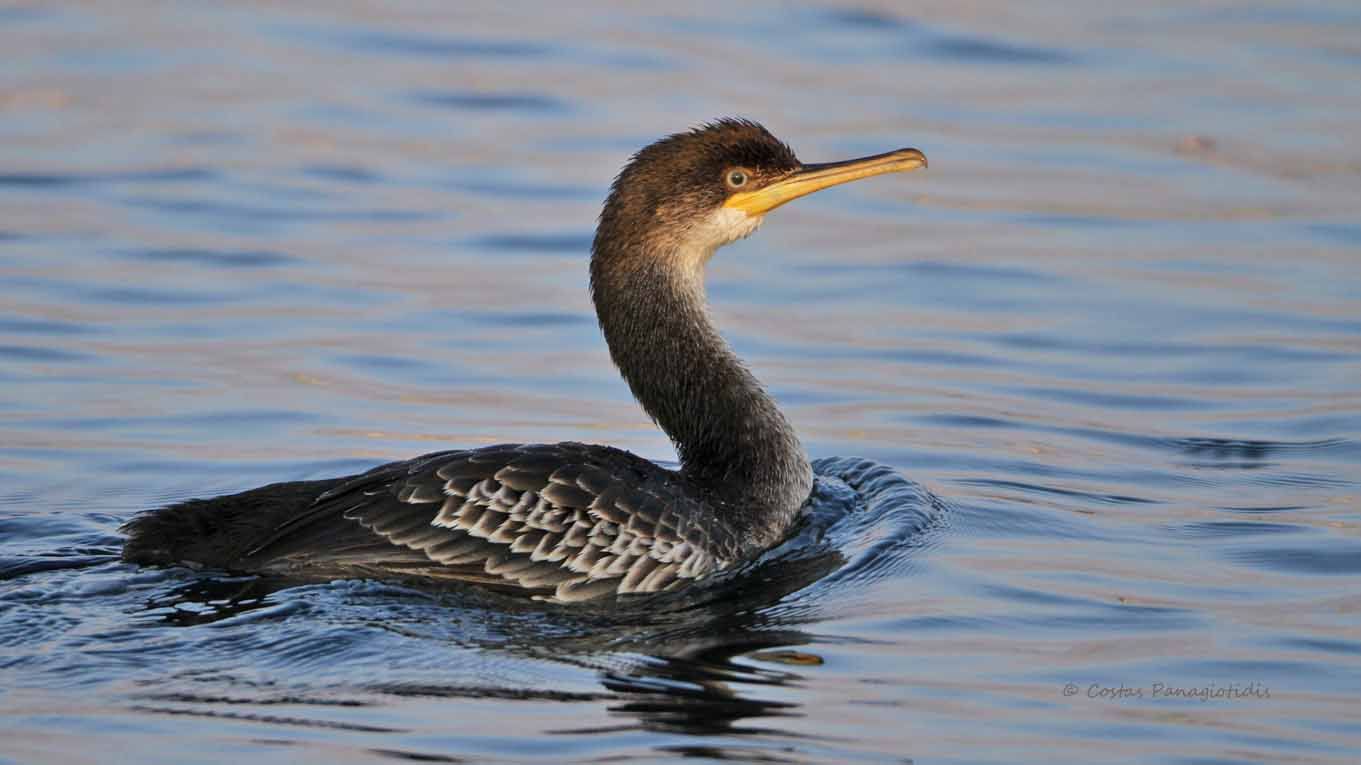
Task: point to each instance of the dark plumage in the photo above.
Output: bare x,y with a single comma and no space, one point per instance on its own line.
668,181
574,521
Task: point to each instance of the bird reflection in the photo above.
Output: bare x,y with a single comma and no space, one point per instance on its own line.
692,662
713,659
708,694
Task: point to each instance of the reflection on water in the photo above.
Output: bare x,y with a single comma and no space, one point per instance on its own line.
676,662
1115,327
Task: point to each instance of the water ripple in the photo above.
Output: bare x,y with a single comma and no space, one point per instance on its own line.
34,354
211,258
24,325
483,101
443,47
980,50
1328,558
230,213
66,180
1036,488
554,244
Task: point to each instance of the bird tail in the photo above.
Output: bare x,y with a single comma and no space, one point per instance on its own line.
215,533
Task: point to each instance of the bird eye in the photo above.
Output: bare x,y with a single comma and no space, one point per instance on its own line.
737,178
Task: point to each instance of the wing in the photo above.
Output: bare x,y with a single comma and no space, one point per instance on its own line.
571,521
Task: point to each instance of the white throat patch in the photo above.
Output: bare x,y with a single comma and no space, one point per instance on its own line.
728,225
722,227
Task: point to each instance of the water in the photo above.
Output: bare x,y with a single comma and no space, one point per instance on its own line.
1116,327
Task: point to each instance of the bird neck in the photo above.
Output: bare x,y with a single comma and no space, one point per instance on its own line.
733,441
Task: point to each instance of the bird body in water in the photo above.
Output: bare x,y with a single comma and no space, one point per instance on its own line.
574,521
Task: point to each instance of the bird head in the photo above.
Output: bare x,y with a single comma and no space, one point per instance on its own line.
690,193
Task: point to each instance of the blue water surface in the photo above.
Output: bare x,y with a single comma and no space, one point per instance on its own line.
1107,349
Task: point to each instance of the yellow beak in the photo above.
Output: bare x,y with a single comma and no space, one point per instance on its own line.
810,178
